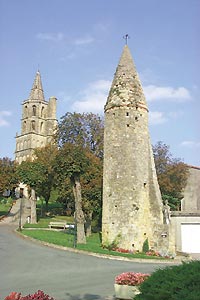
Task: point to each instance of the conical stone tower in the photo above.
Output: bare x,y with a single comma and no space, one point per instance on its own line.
38,122
132,204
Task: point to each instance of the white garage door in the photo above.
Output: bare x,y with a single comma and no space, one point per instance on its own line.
190,235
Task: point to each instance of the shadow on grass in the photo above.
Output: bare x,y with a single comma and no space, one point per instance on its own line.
3,213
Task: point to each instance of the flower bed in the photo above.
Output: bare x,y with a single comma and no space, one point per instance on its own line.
126,284
39,295
130,278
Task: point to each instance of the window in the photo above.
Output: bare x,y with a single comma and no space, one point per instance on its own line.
34,110
33,125
25,111
41,127
24,126
42,112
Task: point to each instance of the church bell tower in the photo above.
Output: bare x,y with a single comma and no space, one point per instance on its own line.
38,122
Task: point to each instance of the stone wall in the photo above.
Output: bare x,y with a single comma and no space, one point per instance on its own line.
191,200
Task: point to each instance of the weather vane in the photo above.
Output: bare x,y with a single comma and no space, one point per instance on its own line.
126,37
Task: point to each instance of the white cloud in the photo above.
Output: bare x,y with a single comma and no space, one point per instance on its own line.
59,37
176,114
3,115
147,76
93,98
55,37
154,93
83,41
157,117
191,144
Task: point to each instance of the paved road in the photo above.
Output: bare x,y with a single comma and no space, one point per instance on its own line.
27,266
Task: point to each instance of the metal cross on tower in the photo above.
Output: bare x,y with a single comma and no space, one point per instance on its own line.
126,37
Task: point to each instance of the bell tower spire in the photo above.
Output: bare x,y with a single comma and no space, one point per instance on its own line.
38,122
37,92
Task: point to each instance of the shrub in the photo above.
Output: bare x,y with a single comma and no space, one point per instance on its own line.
173,283
39,295
131,278
145,247
114,244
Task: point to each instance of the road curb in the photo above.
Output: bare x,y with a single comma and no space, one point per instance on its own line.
105,256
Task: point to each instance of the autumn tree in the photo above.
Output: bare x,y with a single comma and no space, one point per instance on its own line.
172,175
84,130
8,177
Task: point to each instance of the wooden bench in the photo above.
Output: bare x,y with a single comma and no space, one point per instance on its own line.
63,225
58,225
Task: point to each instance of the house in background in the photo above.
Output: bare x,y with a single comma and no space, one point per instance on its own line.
187,221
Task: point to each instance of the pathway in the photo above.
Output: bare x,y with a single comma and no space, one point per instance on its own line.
27,267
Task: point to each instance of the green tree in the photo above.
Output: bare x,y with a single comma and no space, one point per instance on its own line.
84,130
45,157
92,191
38,174
31,174
72,162
91,188
8,176
172,175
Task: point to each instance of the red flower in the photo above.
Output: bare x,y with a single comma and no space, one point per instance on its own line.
131,278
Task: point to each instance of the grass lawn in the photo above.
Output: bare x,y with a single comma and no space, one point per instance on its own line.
5,207
62,238
44,222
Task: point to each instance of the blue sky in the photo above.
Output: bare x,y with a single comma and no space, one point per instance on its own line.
77,45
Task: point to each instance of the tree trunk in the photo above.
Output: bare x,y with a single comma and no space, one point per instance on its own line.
79,216
33,207
88,226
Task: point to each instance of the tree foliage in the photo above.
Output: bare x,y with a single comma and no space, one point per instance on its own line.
38,174
31,173
84,130
172,174
92,191
8,178
71,162
45,157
